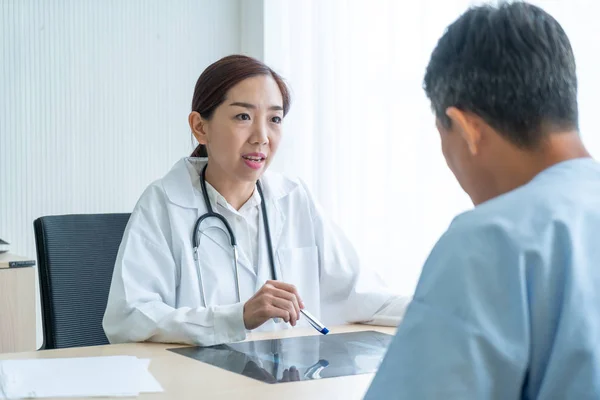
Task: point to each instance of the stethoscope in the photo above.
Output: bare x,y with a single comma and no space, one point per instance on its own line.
211,214
196,243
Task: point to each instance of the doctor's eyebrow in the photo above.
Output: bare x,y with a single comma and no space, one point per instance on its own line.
253,107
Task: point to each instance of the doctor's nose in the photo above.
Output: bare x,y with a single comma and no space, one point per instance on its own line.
259,135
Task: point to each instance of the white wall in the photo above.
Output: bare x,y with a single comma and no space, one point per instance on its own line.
94,97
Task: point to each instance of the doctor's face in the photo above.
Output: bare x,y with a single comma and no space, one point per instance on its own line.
243,134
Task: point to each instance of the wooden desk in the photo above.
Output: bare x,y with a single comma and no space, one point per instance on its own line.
17,309
184,378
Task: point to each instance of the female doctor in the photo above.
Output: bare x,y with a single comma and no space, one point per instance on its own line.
176,280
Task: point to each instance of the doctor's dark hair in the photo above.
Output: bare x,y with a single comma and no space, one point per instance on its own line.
512,65
216,80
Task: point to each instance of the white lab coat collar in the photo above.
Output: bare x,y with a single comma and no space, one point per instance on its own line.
275,186
216,198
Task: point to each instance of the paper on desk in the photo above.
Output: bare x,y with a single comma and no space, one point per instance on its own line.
148,383
76,377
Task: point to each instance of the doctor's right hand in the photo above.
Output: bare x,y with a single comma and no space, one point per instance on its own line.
275,299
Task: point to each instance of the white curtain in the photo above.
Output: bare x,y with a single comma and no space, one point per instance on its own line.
360,131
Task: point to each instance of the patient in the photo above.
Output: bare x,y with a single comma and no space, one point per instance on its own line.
508,303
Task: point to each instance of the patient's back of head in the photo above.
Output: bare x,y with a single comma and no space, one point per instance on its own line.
512,65
502,84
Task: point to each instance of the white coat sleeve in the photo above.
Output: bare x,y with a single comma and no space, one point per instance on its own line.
361,293
143,295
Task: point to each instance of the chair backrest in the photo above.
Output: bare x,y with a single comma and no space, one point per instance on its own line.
76,257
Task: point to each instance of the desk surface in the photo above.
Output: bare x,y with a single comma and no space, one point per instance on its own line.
184,378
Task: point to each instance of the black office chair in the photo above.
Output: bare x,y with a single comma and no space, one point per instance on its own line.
76,256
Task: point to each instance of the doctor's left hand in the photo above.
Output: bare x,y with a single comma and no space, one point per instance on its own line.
275,299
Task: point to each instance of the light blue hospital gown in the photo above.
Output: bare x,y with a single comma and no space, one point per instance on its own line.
508,303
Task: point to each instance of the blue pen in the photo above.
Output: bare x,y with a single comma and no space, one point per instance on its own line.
315,322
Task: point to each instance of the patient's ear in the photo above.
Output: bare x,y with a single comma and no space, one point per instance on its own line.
468,125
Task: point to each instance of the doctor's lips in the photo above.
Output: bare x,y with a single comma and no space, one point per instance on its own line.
254,160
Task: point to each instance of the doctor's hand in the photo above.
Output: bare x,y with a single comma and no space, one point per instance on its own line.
252,370
274,300
290,375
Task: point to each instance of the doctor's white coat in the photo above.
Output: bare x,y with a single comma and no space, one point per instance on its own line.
155,295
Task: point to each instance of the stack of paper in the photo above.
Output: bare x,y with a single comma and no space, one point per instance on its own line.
76,377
